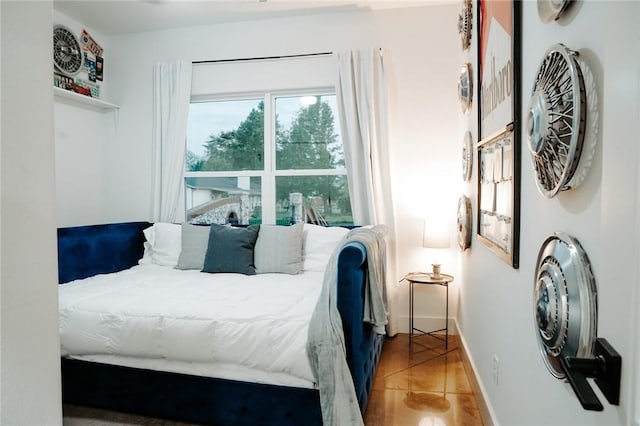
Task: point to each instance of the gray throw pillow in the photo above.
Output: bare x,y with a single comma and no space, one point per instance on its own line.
279,249
231,249
195,240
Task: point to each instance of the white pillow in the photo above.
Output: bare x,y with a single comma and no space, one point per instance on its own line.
319,244
164,242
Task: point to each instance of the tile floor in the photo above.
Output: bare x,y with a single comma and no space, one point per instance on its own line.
422,386
425,385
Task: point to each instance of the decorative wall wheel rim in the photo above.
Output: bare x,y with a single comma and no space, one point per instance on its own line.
556,120
67,53
565,302
465,88
591,127
464,223
465,23
551,10
467,156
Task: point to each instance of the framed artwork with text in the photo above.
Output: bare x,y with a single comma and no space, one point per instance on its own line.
499,127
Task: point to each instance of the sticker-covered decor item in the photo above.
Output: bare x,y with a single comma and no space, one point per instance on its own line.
62,81
556,121
467,156
464,223
565,302
91,45
67,54
99,68
90,65
465,87
465,23
94,61
551,10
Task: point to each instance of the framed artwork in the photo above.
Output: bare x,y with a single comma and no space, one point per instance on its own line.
498,224
499,127
499,81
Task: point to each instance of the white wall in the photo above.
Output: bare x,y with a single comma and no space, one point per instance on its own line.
496,311
83,135
424,50
423,73
30,371
496,306
82,143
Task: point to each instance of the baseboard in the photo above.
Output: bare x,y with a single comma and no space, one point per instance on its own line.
486,411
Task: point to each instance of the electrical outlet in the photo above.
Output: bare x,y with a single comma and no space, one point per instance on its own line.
496,369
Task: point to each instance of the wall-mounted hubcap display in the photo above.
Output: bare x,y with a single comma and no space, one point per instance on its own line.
465,88
467,156
67,54
556,120
464,223
551,10
465,23
565,302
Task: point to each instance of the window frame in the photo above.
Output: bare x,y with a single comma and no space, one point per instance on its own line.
269,174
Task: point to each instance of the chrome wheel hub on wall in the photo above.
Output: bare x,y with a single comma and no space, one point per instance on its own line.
465,23
467,157
67,54
465,88
551,10
464,223
556,120
565,302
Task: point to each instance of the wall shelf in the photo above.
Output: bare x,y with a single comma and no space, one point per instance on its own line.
82,99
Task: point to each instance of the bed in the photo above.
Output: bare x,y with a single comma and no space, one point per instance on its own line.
153,368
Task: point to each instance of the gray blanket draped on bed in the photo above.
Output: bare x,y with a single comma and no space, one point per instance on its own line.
326,347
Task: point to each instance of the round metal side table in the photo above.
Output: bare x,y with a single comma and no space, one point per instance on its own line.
428,279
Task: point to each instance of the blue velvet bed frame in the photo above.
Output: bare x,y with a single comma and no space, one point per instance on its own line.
89,250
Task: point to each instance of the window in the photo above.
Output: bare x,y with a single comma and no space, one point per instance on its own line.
277,158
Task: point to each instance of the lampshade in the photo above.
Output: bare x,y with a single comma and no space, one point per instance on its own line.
436,234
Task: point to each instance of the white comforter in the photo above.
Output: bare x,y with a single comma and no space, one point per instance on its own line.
156,312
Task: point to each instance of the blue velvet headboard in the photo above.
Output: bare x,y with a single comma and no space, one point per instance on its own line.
84,251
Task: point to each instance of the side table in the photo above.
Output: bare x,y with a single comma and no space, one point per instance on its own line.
428,279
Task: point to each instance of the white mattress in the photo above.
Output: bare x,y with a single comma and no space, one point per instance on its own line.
233,326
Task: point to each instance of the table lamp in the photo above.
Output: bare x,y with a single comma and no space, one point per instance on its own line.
436,236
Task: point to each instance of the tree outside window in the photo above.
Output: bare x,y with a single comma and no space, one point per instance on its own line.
293,172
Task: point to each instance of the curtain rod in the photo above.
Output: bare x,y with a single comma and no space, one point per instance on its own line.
302,55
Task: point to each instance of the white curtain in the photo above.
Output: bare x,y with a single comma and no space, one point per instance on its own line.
362,106
172,95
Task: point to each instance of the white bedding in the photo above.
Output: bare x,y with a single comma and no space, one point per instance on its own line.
158,315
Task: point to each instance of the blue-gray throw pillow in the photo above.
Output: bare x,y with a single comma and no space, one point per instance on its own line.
231,249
